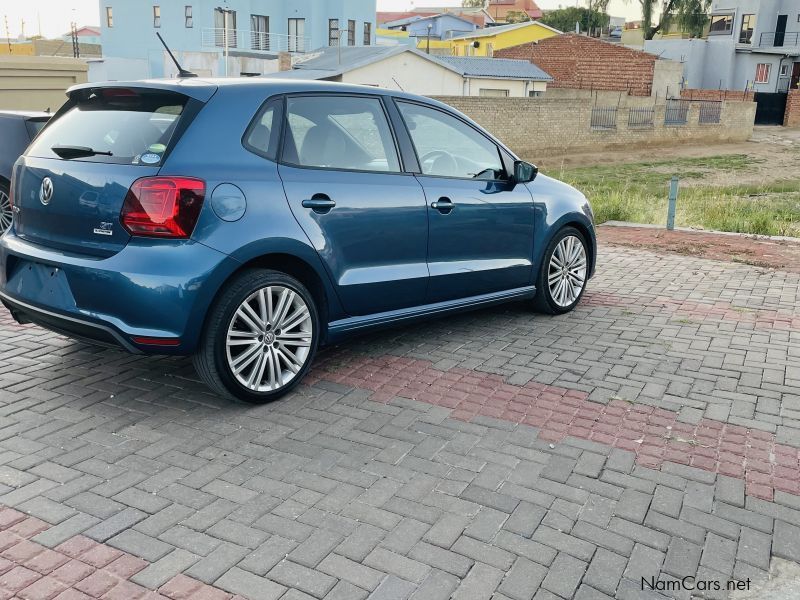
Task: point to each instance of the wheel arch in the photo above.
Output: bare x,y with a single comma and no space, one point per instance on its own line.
579,222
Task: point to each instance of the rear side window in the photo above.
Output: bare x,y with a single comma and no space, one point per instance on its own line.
339,132
120,126
263,136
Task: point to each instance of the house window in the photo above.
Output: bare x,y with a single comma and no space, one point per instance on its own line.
333,32
784,70
297,35
156,16
721,25
762,72
188,18
259,32
351,33
535,94
367,34
225,36
746,32
109,16
493,93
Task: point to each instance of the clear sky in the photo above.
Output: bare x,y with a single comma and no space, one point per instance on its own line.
56,15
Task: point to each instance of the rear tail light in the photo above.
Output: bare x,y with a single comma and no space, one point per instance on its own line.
166,207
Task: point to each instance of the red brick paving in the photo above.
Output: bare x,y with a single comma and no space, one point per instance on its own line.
655,435
78,569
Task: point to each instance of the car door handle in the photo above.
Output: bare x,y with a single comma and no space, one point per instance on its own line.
443,205
319,203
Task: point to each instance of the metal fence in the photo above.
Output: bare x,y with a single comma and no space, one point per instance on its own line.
244,39
710,111
604,117
641,117
676,112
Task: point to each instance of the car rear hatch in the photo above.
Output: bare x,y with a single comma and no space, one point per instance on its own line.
70,186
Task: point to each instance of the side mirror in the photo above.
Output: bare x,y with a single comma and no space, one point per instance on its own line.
524,172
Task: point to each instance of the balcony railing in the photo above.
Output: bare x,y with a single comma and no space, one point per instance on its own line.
253,41
779,39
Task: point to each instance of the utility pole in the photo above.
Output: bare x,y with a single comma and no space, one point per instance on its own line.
8,35
76,47
225,39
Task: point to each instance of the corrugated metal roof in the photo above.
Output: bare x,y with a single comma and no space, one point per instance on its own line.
500,68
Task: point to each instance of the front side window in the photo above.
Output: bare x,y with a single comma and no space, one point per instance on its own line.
339,132
763,72
746,33
109,16
367,34
156,16
333,32
448,147
188,18
721,25
351,33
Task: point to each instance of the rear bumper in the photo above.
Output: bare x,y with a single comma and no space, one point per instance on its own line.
152,291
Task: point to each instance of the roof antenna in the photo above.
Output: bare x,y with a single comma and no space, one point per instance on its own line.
182,73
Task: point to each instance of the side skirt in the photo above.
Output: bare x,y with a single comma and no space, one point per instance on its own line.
354,325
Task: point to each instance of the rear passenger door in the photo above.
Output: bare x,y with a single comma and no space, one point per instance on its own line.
367,219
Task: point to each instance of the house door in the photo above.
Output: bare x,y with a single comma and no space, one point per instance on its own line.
780,30
795,83
770,108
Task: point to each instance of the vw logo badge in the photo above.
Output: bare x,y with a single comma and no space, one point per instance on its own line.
46,191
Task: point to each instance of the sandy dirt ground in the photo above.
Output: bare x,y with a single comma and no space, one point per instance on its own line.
775,154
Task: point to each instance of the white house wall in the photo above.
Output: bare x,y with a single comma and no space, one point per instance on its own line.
409,73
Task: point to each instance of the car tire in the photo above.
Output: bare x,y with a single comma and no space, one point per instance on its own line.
6,212
246,357
560,287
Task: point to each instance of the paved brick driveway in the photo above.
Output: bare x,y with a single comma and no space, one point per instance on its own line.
652,433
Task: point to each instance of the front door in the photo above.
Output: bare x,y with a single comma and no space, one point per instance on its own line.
795,76
366,219
480,224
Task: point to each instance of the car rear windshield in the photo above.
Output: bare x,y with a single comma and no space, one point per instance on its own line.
118,125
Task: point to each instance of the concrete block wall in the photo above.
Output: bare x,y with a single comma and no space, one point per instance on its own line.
733,95
537,128
792,116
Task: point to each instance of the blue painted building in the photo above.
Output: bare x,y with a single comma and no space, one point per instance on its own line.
440,27
224,37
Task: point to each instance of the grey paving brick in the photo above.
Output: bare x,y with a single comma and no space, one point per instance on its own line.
268,554
138,544
605,571
210,567
786,542
190,540
115,524
393,588
344,568
683,558
676,527
479,584
249,585
639,533
754,548
523,579
633,505
744,517
447,530
644,562
719,554
603,538
668,501
66,529
481,552
165,568
295,576
586,592
564,575
444,560
437,586
381,559
361,542
565,543
486,524
316,547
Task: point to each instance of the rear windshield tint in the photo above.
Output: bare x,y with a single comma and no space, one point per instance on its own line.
129,126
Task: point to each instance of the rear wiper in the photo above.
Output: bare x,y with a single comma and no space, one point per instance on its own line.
68,152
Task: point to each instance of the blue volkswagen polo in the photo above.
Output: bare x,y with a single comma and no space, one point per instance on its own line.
246,222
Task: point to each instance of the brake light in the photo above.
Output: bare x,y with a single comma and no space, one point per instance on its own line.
166,207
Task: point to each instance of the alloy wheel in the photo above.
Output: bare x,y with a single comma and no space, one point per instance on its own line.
269,338
566,274
6,212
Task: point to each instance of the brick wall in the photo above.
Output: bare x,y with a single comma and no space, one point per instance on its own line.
792,115
577,61
537,128
732,95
